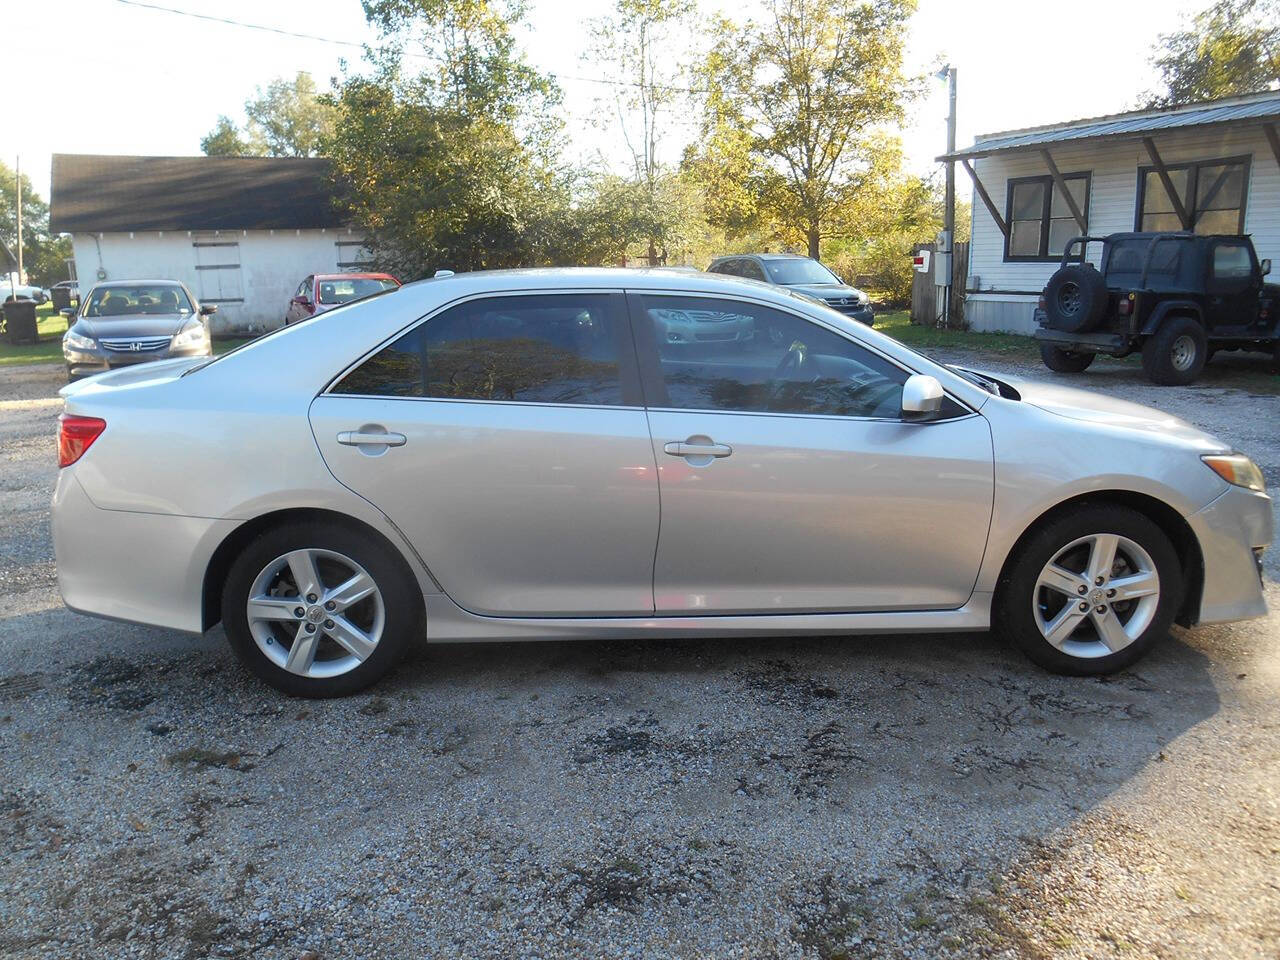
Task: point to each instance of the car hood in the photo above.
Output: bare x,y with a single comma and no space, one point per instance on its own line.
150,325
825,291
1098,408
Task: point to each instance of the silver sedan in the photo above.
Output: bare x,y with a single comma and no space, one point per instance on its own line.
522,455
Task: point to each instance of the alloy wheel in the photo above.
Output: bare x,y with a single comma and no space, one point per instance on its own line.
1096,596
315,613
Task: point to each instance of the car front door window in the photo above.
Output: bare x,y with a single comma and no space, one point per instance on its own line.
720,354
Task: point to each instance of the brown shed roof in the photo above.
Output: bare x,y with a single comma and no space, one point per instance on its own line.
106,194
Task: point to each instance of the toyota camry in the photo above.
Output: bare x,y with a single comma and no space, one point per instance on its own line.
528,454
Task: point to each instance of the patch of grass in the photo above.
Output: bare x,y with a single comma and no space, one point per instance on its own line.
899,326
50,327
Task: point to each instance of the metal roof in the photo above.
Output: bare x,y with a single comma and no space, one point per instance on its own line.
106,194
1134,124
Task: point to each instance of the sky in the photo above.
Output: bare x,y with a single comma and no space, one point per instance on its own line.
115,77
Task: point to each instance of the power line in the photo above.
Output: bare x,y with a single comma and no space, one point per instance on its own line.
227,21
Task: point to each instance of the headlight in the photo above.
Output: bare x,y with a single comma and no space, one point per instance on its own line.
192,335
77,342
1237,469
863,299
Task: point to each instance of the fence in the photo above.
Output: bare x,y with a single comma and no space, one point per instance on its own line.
926,307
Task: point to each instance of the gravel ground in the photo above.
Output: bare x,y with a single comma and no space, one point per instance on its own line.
914,797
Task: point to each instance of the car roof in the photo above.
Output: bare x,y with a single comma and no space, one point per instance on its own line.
763,256
139,283
354,276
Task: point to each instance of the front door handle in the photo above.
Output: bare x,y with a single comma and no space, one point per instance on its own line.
358,438
697,447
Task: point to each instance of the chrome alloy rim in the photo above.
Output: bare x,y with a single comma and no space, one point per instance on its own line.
303,625
1184,353
1096,596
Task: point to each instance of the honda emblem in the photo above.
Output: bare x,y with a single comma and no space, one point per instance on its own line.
135,346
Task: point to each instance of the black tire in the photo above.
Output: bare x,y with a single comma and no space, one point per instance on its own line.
401,604
1075,298
1014,619
1065,361
1165,357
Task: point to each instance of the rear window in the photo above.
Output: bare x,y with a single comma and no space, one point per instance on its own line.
344,291
1128,256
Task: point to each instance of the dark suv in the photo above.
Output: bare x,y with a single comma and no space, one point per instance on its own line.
803,275
1177,297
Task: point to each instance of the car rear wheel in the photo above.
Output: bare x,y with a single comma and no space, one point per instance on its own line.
1065,361
1090,593
1176,353
319,610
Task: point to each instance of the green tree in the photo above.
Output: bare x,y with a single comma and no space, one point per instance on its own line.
289,118
630,45
810,84
453,166
224,140
1231,47
44,255
286,119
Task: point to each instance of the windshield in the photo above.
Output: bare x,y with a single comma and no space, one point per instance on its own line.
799,271
344,291
142,300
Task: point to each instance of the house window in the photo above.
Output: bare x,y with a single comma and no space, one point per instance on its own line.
353,254
1212,192
218,270
1039,217
1212,195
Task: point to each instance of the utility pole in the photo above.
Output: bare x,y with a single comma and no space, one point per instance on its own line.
945,261
21,279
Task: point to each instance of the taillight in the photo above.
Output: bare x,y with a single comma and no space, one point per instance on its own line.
75,436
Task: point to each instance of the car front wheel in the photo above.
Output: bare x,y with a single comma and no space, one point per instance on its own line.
319,610
1091,592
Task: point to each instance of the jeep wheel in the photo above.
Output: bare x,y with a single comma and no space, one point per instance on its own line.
1176,353
1075,298
1065,361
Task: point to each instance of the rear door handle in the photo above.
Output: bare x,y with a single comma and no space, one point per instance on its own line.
685,448
358,438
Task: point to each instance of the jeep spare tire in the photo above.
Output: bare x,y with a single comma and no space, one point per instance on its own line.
1075,298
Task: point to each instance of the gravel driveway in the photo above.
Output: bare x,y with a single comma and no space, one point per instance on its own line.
919,796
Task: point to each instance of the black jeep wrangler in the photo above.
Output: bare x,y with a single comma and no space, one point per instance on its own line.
1177,297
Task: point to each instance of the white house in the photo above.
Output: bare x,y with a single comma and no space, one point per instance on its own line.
241,232
1210,167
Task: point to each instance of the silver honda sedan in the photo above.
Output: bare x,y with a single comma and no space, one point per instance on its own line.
523,455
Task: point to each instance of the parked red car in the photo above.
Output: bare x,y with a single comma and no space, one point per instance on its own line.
324,291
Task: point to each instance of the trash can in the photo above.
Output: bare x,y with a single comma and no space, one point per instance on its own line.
61,297
20,321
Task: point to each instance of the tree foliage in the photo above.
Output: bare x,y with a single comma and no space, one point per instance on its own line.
454,166
793,101
44,255
288,118
1229,48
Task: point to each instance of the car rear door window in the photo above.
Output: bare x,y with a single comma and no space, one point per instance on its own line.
722,354
751,270
1231,262
561,348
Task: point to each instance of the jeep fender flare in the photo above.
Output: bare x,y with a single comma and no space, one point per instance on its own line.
1162,310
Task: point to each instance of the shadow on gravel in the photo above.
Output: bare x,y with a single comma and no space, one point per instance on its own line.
820,797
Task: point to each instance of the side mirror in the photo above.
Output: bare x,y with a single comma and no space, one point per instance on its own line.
1266,266
921,397
208,308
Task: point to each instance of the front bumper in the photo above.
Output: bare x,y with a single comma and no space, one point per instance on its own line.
1233,530
863,313
84,363
160,582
